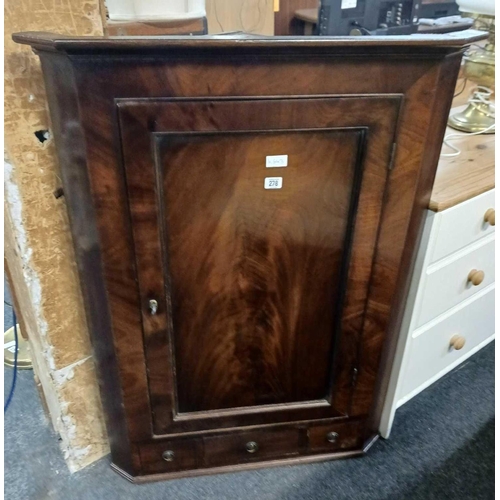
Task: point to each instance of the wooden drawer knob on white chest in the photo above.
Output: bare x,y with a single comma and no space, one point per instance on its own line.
457,342
475,277
489,216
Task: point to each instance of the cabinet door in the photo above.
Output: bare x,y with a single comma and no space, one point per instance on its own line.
254,228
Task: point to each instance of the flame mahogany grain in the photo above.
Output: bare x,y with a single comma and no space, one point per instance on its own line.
278,310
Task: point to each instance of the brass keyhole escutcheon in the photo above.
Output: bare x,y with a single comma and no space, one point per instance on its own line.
251,446
153,306
332,437
168,455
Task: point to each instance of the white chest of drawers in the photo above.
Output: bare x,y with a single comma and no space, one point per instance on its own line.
450,310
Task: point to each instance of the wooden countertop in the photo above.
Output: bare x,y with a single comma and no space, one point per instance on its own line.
467,175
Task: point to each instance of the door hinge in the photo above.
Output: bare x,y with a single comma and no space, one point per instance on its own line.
393,155
354,376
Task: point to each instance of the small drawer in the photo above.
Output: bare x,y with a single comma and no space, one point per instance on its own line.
463,224
447,286
251,446
431,352
169,456
336,436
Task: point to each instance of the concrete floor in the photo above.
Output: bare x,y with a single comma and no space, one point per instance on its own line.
442,446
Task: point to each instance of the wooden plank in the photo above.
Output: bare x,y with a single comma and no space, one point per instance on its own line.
469,174
39,252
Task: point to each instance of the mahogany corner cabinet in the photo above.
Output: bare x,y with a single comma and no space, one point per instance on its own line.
245,213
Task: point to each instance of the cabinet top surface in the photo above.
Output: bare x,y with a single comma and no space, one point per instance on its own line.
53,41
467,175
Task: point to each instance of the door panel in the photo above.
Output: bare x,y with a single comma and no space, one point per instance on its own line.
261,292
255,272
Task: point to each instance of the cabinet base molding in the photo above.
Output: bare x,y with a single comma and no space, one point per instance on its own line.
306,459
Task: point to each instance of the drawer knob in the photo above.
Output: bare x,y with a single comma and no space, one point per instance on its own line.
489,216
476,277
168,455
153,306
332,437
251,446
457,342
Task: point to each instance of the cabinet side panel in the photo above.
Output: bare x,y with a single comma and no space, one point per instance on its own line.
69,138
407,249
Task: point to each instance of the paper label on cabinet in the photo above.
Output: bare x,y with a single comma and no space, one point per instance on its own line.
273,182
349,4
277,161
